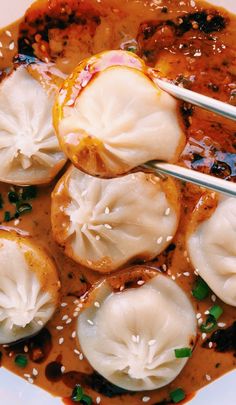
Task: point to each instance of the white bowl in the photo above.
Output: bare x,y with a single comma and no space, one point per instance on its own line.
14,390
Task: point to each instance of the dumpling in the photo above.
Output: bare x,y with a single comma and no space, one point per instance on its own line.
212,249
29,287
103,224
130,336
29,149
110,117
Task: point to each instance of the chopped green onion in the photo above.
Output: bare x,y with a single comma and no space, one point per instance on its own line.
23,209
77,393
177,395
209,325
201,289
86,400
29,193
216,311
7,216
132,49
183,352
21,360
13,197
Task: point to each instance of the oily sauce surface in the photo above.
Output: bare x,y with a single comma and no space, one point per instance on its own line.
192,44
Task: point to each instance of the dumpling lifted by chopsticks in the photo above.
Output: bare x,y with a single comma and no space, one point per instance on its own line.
110,116
29,149
106,223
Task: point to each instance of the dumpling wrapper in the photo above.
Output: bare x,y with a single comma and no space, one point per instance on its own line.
110,117
104,224
130,337
29,149
212,250
29,287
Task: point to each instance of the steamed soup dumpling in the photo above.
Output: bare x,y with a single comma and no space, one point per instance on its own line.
212,250
130,337
29,149
103,224
29,287
110,117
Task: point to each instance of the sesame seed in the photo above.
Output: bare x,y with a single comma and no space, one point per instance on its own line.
167,212
221,324
107,211
198,316
140,282
204,335
152,342
98,400
75,314
135,338
30,380
213,298
80,305
97,237
208,377
89,262
207,312
159,240
81,356
16,222
108,226
96,304
27,375
169,238
68,321
76,302
70,102
59,327
63,369
12,46
65,317
164,267
8,33
210,344
200,321
90,322
173,278
192,3
146,399
169,272
122,288
1,54
186,274
73,335
35,372
0,44
185,253
64,304
40,323
76,352
26,349
61,341
187,259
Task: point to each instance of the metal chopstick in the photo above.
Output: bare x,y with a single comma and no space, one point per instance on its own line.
207,103
192,176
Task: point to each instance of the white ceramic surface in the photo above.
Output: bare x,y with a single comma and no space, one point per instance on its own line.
15,391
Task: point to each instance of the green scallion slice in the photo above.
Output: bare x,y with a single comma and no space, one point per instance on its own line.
21,360
209,325
13,197
201,289
23,209
216,311
177,395
29,193
183,352
7,216
86,400
77,393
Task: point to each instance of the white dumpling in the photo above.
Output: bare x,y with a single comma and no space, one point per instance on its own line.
120,119
130,337
104,224
29,149
212,250
29,288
